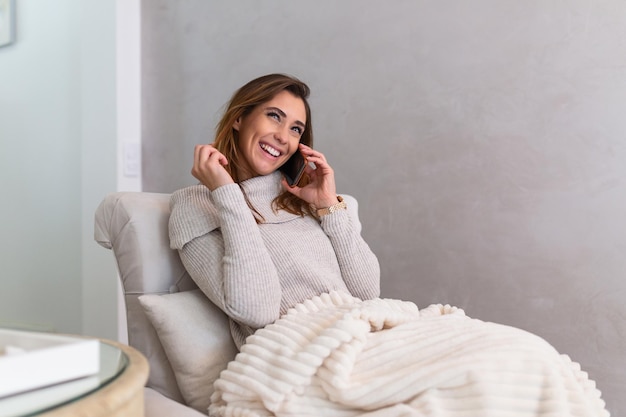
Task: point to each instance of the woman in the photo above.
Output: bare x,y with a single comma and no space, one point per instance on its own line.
255,246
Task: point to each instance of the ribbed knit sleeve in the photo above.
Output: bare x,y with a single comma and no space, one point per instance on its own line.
358,264
231,264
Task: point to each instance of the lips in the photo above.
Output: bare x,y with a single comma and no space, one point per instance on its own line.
271,150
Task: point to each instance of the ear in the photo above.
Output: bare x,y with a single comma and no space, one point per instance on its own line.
237,123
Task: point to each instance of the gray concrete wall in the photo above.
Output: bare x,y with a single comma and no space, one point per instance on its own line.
485,141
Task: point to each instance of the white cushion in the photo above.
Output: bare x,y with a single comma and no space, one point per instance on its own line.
196,338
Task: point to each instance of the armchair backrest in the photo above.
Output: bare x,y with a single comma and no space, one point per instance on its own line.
134,225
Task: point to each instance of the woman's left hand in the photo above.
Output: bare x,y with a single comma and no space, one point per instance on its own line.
321,190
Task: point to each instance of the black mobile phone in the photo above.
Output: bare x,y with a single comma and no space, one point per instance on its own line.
294,168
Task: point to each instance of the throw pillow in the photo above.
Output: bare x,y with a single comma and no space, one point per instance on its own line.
195,335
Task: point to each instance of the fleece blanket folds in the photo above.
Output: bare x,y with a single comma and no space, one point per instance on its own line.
335,355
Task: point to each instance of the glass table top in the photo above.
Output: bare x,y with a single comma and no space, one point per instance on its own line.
112,363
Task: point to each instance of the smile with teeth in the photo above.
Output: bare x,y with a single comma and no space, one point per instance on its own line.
270,150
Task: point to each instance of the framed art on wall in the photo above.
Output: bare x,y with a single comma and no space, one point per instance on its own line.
7,22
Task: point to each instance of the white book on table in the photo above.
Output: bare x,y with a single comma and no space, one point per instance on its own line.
31,360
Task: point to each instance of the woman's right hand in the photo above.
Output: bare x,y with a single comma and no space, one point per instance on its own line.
208,167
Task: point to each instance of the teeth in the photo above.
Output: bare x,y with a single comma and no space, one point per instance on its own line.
270,150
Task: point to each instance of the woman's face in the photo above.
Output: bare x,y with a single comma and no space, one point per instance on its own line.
270,134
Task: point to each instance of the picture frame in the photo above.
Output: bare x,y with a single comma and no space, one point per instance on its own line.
7,22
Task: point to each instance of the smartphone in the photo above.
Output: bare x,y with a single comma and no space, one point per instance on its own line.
294,168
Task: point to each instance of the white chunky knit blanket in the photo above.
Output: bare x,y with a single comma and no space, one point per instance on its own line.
335,355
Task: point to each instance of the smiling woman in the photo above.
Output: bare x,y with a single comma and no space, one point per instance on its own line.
255,245
269,135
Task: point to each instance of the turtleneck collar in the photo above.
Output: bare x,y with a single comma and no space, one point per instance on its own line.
263,188
261,192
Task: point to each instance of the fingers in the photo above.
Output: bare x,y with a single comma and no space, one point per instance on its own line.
320,191
208,167
208,153
316,157
308,151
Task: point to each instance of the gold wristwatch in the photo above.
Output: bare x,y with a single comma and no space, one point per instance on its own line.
341,205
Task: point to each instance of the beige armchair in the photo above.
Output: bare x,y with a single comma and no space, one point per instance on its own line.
134,226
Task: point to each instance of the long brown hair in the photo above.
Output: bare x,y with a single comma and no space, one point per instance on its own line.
254,93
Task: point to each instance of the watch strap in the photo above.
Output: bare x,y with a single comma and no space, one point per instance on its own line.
340,205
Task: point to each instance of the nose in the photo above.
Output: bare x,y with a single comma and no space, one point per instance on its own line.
281,135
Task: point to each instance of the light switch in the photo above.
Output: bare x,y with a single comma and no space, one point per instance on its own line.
132,160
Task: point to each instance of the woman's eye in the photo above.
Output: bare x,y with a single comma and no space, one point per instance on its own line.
297,129
274,115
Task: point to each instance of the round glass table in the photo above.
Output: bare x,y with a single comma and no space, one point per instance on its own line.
113,362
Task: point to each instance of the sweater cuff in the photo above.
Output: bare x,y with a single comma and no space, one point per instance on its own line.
336,223
192,215
230,201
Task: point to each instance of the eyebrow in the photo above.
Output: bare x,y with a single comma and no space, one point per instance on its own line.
283,114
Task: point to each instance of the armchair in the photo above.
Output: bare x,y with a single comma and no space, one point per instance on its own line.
134,226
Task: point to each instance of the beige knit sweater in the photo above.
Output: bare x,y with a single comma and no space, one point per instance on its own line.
256,272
